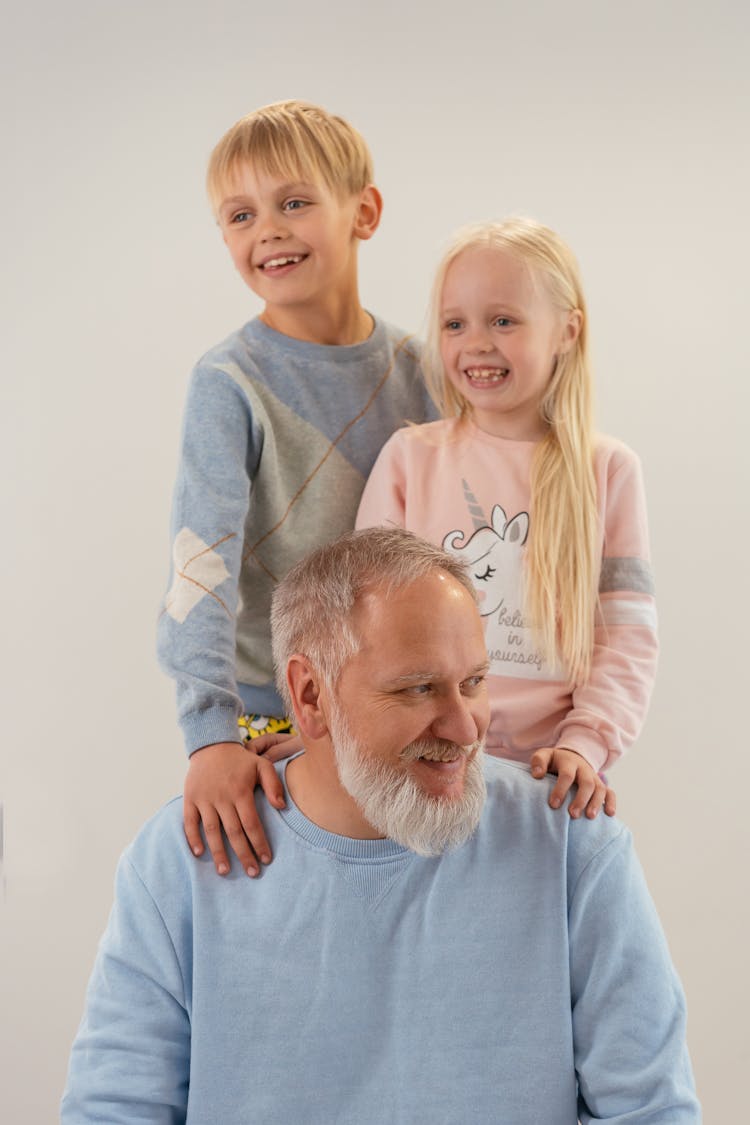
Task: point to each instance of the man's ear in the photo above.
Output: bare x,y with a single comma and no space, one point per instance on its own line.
304,687
367,216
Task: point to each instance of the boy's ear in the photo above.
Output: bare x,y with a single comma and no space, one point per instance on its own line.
367,216
304,687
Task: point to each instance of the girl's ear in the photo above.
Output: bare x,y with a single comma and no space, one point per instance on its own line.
571,330
369,210
304,687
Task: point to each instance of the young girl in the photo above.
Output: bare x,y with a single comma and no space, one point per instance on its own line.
550,518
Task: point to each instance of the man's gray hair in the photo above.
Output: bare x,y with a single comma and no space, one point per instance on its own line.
312,606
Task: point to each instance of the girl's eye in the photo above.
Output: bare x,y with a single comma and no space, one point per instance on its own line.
452,325
502,322
487,574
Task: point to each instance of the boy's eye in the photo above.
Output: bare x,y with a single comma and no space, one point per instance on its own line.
502,322
241,216
295,204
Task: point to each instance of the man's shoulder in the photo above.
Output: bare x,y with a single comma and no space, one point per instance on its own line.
159,847
519,804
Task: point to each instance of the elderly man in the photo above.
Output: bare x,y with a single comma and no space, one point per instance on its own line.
432,943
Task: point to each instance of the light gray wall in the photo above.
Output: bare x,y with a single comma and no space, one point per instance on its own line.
623,126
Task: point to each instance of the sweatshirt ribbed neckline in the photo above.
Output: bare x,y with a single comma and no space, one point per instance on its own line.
256,330
345,847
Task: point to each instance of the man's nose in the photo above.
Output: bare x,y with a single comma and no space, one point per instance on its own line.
462,719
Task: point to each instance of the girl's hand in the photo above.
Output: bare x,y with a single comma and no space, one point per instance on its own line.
219,791
571,768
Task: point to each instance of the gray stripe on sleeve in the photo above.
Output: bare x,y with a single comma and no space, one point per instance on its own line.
626,574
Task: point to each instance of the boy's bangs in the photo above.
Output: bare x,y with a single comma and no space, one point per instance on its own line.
291,142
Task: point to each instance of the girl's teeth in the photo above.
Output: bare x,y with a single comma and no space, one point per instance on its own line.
488,376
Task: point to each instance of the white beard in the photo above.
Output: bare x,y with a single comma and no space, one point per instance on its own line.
395,805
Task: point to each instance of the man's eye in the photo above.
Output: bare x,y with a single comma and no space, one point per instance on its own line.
473,682
487,574
417,689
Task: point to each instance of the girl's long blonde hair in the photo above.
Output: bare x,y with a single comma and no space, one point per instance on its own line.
562,561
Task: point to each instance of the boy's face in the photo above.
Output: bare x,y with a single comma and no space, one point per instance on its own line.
293,242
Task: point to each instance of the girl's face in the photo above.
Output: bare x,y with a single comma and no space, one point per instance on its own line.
500,335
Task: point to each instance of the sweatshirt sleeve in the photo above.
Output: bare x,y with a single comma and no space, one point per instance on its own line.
197,625
131,1057
383,501
608,711
628,1007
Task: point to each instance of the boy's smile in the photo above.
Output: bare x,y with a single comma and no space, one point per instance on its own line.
294,243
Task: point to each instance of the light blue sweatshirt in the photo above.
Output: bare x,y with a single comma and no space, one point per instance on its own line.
522,979
279,437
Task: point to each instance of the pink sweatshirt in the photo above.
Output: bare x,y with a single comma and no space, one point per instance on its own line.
469,492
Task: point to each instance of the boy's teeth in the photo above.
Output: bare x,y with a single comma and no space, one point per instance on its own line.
283,261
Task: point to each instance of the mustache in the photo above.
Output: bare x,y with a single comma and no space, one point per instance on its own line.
439,750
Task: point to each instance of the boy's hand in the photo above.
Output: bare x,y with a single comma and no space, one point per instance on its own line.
571,768
274,747
219,791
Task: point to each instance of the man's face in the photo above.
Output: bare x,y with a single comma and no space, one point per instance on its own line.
410,713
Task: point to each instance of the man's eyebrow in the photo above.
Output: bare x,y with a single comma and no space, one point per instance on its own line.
428,676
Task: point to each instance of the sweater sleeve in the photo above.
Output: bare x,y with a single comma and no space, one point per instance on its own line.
131,1058
197,625
383,501
608,711
628,1008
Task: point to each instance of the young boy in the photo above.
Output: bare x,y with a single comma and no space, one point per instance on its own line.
283,422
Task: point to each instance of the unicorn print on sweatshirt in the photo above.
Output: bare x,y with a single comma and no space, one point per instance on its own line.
494,555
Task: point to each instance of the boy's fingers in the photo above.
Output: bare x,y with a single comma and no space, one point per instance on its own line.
212,830
252,830
266,742
291,744
271,783
610,802
238,838
191,822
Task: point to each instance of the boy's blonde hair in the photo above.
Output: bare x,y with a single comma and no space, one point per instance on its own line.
562,561
294,139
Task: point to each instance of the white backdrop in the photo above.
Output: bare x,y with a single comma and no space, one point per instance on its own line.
623,126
